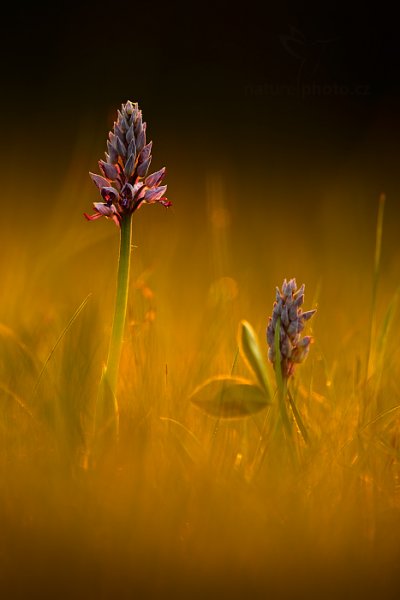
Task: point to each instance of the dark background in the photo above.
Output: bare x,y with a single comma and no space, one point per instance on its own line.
271,91
212,66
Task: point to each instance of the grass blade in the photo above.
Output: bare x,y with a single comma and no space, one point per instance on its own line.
60,337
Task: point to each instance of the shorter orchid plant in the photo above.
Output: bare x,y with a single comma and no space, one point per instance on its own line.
230,396
124,187
291,319
287,347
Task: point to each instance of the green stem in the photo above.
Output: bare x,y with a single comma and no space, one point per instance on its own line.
121,302
109,380
283,409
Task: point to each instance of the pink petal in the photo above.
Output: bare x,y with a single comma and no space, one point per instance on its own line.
99,180
143,167
92,217
155,194
109,171
109,194
145,153
165,202
104,209
155,178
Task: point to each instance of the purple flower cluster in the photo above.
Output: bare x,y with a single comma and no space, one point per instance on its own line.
124,184
293,347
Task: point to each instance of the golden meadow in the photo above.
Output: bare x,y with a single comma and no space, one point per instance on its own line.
187,503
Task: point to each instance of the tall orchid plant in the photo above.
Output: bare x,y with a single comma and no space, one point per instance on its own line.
124,186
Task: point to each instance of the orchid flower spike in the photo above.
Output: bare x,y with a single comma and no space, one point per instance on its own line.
124,184
293,348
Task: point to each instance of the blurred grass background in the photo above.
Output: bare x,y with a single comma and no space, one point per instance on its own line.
177,508
265,185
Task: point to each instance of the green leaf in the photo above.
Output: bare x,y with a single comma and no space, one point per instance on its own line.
229,397
251,353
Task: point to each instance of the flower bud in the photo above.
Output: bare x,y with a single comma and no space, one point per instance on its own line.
286,311
128,159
